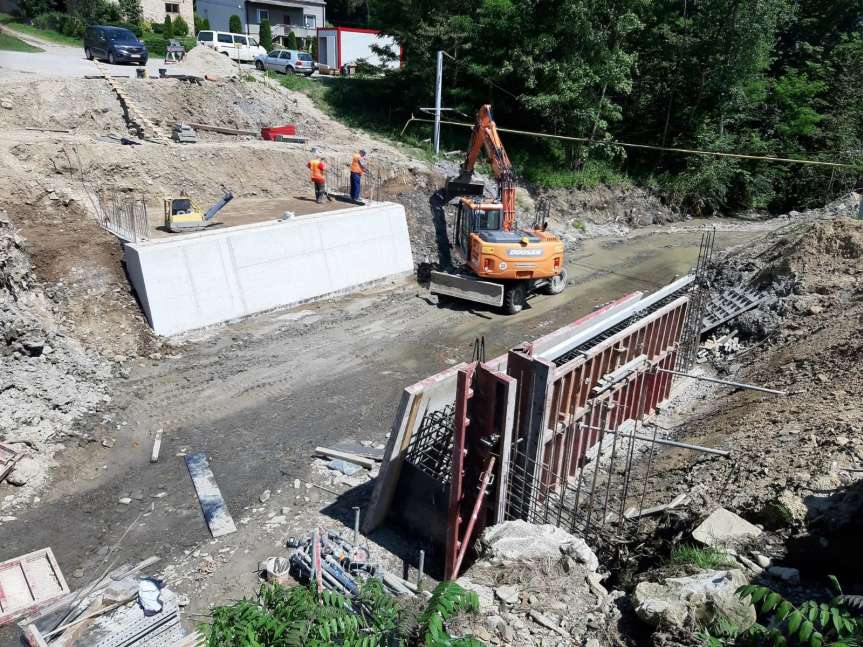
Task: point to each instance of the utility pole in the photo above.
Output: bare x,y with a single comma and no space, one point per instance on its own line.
437,100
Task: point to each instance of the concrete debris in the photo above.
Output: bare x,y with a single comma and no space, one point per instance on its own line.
724,528
120,591
520,541
507,594
24,471
345,467
698,599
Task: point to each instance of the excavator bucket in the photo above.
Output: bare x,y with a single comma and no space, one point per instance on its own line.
456,186
466,288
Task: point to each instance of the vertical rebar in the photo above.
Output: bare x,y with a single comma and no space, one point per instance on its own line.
356,523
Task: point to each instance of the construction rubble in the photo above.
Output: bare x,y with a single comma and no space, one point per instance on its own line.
277,399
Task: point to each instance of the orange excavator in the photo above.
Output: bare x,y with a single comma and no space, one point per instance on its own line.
502,264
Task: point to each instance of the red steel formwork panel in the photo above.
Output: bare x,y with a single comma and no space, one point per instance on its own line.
557,423
482,431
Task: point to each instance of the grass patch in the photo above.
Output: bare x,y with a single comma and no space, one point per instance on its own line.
11,44
45,34
707,558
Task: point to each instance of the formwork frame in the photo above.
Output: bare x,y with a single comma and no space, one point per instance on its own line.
553,400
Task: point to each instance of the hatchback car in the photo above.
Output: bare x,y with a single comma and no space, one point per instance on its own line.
114,44
289,61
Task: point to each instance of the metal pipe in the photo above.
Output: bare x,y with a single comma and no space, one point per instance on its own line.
420,569
725,382
465,542
356,523
674,443
438,88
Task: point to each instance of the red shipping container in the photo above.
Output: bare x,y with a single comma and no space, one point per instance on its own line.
270,133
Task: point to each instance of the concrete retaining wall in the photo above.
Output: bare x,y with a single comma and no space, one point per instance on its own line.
194,280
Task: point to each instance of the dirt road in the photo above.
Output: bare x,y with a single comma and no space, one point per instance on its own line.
259,395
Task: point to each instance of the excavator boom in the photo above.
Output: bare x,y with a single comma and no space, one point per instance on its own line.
484,139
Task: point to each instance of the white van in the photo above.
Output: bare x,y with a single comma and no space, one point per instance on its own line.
236,46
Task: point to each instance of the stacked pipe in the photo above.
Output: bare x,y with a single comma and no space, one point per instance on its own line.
340,565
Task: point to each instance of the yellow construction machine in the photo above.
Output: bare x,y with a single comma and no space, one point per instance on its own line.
502,264
182,214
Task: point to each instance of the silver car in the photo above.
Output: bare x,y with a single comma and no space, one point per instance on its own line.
288,61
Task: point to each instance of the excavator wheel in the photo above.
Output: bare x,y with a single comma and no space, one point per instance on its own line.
513,298
557,283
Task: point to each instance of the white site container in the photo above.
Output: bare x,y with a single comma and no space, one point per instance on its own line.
339,46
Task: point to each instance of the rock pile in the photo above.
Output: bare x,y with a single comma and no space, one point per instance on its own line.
47,381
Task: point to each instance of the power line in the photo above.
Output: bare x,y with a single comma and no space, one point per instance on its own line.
690,151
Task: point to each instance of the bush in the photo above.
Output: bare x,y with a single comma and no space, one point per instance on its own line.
99,11
158,27
266,35
314,50
67,24
168,28
181,27
146,25
201,23
290,41
157,45
235,25
33,8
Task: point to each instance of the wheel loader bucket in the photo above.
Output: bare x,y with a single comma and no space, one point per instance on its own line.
466,288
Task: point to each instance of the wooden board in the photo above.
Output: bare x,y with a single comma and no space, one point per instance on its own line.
212,504
29,582
8,458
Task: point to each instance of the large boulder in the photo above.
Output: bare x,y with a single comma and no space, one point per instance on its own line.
517,541
724,528
698,599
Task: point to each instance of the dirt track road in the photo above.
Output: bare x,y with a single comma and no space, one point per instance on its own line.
259,395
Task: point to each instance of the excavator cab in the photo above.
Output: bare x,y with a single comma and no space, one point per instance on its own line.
474,218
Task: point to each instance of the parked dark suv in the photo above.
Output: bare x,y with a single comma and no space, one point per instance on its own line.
114,44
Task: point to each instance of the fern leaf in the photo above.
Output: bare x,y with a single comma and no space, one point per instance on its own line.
834,584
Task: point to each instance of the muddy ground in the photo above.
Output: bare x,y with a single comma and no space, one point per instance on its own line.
259,395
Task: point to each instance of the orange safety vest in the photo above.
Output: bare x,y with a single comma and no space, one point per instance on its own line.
317,167
356,167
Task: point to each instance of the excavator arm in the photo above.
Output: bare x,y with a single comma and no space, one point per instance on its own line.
485,139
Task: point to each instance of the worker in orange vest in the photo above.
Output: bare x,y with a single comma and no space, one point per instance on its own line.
317,167
358,169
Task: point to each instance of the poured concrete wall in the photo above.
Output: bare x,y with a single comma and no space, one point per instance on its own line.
194,280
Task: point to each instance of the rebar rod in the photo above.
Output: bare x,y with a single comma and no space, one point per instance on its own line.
725,382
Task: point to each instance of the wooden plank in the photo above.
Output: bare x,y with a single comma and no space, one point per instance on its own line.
8,458
346,456
224,130
212,504
157,445
29,582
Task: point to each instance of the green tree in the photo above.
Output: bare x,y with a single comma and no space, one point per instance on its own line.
131,10
168,28
235,25
33,8
201,23
313,50
266,35
290,40
181,27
